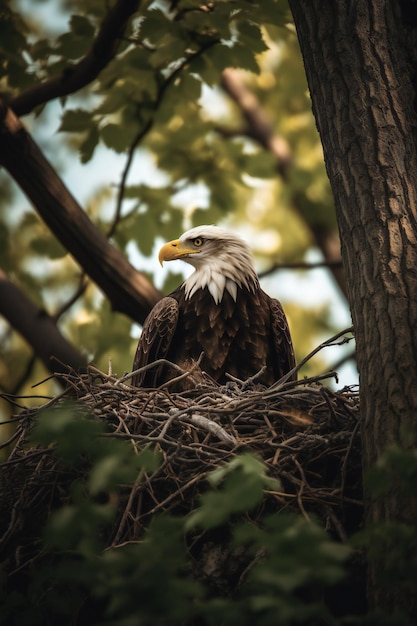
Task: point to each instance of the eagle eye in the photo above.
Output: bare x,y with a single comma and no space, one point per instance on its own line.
198,241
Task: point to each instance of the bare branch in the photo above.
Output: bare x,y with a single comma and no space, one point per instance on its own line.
83,283
301,265
337,340
74,77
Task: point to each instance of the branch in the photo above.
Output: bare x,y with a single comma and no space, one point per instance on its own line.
149,124
337,340
301,265
39,329
258,125
76,76
128,290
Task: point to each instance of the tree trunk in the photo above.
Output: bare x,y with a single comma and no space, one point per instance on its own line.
360,58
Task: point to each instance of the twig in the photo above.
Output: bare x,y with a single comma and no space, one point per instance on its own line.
150,122
301,265
333,341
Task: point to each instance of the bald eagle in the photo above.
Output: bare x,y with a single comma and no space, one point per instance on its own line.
219,315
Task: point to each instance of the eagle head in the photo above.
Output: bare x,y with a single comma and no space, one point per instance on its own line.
222,261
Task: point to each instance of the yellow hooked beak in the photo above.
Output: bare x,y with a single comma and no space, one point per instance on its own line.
172,250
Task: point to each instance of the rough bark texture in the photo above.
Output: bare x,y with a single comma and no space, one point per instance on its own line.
128,290
360,58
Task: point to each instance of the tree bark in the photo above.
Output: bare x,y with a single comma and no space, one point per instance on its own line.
358,61
128,290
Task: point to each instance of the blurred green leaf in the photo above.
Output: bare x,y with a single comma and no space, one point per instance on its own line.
245,479
81,26
89,144
48,246
75,120
118,136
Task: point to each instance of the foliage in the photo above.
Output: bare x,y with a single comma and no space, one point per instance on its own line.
82,576
163,148
393,544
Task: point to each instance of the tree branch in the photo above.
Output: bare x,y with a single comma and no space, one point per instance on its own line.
39,329
259,127
149,124
301,265
74,77
128,290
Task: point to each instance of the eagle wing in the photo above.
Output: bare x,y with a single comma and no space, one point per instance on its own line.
155,340
284,350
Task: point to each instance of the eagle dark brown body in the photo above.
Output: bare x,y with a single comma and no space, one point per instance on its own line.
238,335
235,337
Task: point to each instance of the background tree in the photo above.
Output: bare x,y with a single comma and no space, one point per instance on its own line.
133,88
360,60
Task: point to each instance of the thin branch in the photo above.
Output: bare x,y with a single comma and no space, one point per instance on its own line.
83,283
149,124
74,77
301,265
333,341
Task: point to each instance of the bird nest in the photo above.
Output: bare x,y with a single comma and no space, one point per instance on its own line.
306,434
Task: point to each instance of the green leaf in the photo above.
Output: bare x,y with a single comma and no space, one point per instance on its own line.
156,25
244,480
75,121
170,48
49,247
66,426
71,47
41,49
81,26
243,57
189,87
250,35
118,136
89,144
